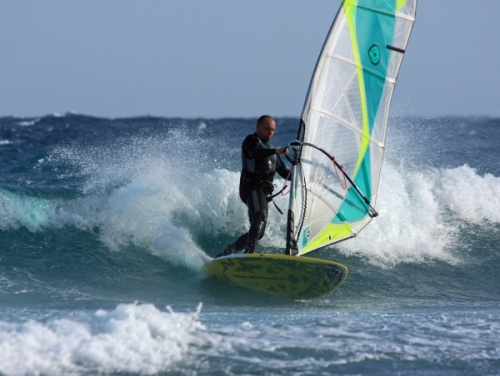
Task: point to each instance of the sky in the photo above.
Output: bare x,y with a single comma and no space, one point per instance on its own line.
226,58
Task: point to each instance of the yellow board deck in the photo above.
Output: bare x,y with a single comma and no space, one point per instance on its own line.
286,276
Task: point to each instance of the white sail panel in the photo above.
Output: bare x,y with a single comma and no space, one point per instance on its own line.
345,115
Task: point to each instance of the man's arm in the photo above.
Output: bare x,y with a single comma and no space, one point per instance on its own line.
281,169
251,147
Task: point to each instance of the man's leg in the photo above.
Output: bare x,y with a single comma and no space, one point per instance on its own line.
257,212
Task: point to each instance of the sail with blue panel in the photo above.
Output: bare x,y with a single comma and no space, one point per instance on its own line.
341,138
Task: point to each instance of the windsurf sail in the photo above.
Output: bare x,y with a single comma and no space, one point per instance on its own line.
340,143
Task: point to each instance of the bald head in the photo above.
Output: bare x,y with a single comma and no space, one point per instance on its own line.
265,128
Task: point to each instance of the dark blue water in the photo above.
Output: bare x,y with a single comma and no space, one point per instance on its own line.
105,225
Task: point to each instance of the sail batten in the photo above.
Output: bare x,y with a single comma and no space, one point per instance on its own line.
347,125
345,118
375,73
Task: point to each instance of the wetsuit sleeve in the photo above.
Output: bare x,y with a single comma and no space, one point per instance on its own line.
281,169
251,148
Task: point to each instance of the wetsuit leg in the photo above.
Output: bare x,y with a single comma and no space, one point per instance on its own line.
240,243
257,212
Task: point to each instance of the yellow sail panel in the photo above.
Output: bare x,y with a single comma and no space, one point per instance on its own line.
332,232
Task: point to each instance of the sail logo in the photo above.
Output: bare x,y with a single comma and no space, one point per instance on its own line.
374,54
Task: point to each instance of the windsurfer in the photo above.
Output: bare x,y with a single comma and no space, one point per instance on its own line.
260,163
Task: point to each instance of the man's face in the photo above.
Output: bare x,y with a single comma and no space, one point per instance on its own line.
265,131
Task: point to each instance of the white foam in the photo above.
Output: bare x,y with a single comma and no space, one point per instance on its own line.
202,126
63,114
421,213
131,338
165,193
28,123
472,197
142,339
410,226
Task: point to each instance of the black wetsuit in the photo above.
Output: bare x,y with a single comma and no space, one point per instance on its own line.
260,163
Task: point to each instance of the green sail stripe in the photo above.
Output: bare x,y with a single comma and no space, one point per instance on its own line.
371,56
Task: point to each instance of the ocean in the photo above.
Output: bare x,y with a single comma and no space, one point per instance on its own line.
105,225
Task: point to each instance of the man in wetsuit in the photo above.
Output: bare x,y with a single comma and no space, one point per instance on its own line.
260,163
